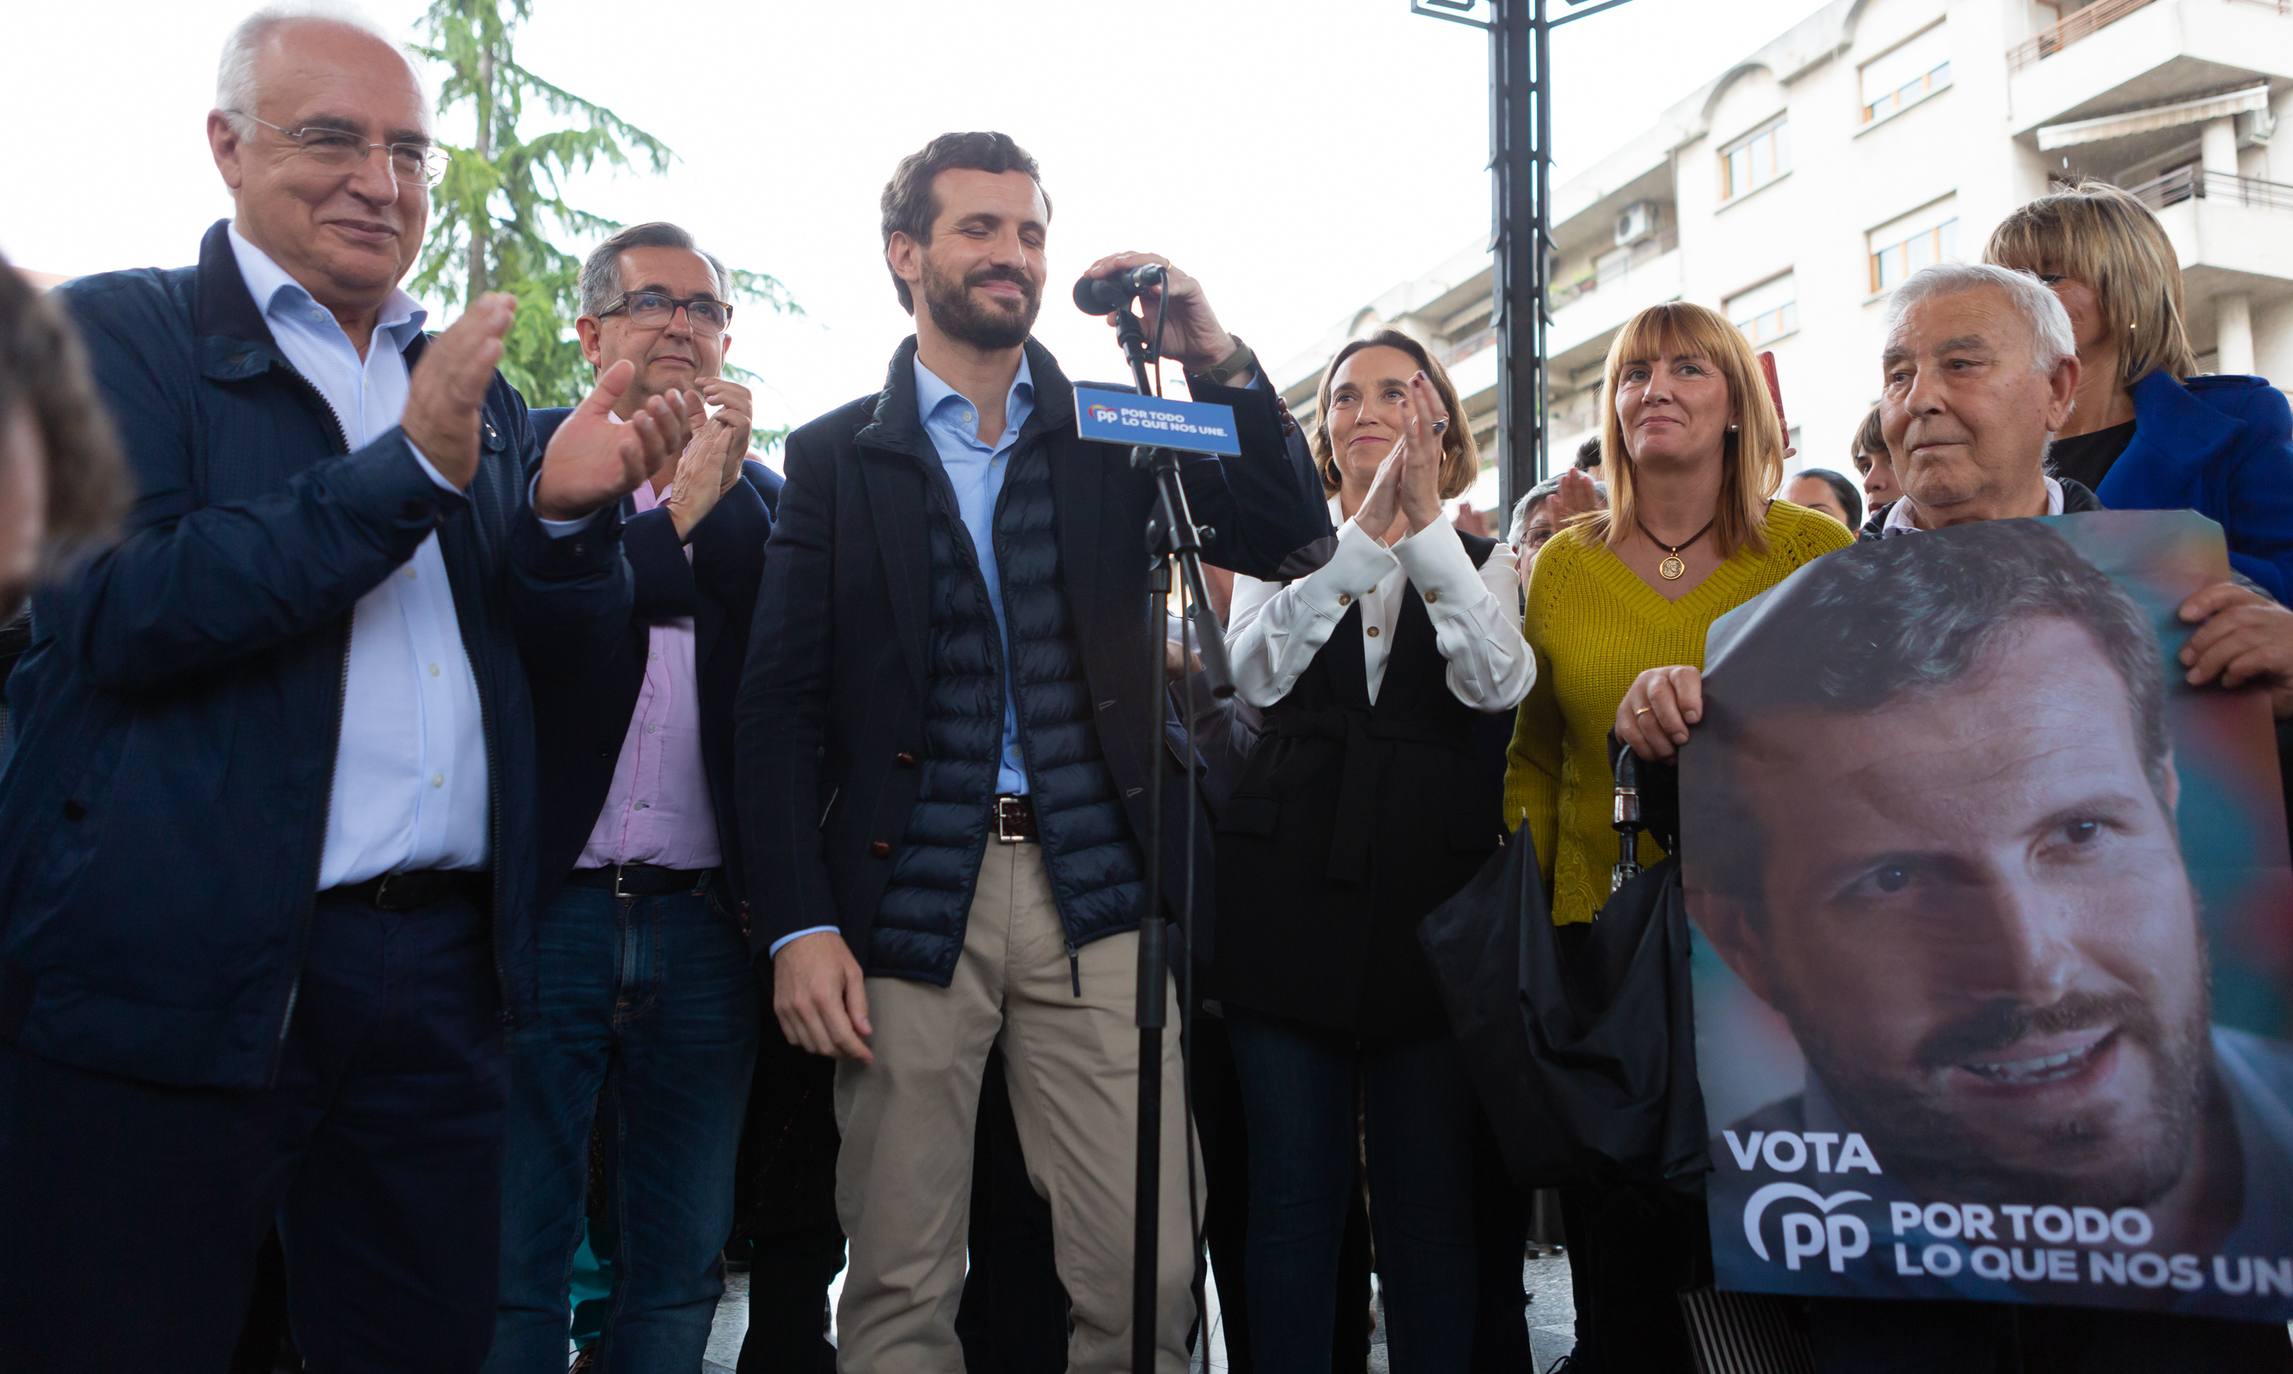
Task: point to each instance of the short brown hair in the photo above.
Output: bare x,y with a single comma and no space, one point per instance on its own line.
1751,456
909,206
44,370
1460,456
2100,235
1870,438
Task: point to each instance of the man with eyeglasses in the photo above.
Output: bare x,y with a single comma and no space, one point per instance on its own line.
645,971
267,849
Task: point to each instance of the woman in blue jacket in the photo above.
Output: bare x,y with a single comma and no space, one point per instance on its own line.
2145,434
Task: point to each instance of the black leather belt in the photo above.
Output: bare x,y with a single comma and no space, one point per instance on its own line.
1015,820
417,889
642,880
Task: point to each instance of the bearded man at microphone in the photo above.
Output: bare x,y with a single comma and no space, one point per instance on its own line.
952,855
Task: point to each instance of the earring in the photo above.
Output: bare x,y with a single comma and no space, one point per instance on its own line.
1731,429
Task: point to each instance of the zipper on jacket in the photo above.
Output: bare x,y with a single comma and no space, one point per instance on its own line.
1075,967
326,800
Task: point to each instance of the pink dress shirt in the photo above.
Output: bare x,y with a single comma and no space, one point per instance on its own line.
658,811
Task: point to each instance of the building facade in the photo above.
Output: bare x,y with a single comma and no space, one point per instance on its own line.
1877,136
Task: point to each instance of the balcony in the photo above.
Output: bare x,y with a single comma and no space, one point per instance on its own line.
2229,231
2116,54
1587,310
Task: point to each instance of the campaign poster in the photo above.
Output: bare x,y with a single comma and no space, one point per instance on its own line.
1994,968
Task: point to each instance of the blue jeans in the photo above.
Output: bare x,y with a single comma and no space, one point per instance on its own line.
652,999
1298,1091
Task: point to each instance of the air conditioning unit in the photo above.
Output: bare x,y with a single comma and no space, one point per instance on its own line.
1636,222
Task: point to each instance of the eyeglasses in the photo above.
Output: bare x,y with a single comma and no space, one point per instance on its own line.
654,310
340,150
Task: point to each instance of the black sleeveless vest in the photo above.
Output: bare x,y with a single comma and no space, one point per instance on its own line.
1349,822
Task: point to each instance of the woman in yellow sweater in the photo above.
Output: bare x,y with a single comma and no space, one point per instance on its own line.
1693,453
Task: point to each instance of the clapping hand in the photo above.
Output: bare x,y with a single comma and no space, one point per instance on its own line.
711,463
593,461
1577,495
1422,423
448,387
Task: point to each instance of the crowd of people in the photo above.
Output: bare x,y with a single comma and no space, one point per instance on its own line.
463,859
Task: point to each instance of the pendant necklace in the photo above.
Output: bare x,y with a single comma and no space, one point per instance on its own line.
1673,568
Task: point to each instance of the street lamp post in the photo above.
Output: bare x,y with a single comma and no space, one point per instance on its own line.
1520,237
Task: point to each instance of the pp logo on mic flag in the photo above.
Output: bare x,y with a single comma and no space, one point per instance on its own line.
1125,417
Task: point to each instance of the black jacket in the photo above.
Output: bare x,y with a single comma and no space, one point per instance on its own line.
830,719
581,714
163,806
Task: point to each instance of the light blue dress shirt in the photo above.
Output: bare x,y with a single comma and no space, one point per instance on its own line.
410,762
976,471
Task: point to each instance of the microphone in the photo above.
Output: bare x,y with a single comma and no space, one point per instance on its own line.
1106,295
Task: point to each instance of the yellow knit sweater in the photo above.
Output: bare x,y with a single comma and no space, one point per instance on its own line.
1595,626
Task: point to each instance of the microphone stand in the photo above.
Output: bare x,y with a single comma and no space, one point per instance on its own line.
1171,534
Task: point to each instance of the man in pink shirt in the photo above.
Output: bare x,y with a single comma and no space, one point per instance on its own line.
646,988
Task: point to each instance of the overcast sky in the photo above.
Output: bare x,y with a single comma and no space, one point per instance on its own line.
1300,156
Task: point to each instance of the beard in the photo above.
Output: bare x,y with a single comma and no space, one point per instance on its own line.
983,326
2095,1157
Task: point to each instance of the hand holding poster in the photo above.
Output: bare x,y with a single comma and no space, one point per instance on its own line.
1997,970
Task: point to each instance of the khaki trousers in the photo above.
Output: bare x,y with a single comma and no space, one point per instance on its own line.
903,1177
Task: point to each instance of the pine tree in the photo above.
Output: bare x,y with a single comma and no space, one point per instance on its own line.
497,213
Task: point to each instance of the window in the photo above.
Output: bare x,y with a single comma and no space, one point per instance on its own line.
1754,160
1767,311
1922,238
1905,74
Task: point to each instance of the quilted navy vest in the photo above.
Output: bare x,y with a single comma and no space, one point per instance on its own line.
1097,878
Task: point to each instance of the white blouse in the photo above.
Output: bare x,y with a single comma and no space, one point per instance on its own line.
1275,629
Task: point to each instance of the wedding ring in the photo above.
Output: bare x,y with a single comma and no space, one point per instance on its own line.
1645,711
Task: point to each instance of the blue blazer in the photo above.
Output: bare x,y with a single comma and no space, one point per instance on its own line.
581,714
2223,447
163,801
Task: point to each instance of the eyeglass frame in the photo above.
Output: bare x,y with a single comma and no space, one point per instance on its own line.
434,158
676,303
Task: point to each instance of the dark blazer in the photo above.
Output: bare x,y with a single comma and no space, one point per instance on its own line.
163,805
2223,447
831,709
581,716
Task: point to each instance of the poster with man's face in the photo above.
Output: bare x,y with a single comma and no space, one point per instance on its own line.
1994,995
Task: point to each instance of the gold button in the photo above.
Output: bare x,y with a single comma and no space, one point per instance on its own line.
1373,632
1344,599
1431,596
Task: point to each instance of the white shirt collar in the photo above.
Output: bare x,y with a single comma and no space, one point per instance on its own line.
275,291
1899,515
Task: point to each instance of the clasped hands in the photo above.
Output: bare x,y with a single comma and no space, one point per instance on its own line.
1407,487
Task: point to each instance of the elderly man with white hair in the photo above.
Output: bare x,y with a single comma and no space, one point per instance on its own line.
267,840
1980,369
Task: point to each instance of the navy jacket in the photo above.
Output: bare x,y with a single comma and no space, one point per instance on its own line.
581,715
163,804
2223,447
831,710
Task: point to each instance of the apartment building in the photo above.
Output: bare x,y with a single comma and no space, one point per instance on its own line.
1877,136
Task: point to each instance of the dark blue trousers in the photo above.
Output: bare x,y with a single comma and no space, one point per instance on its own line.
1300,1090
131,1213
652,1000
